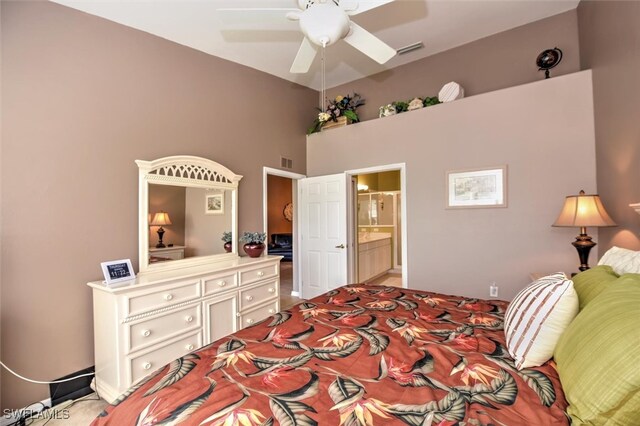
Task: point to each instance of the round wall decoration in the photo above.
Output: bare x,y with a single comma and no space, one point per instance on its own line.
288,212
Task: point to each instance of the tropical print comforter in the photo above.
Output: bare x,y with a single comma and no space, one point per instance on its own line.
358,355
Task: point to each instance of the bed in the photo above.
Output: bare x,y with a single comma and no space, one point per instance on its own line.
358,355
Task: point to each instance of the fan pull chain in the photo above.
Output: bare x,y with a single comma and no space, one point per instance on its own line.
323,95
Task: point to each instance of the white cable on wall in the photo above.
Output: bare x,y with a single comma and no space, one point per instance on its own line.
40,382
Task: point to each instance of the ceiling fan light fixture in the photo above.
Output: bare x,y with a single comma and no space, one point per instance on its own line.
324,24
410,48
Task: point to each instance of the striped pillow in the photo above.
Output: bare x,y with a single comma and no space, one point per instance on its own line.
537,317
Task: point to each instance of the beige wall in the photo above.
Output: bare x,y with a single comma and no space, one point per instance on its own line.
503,60
82,99
543,131
203,232
1,149
610,46
280,193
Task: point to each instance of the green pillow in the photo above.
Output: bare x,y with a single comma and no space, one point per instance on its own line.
592,282
598,357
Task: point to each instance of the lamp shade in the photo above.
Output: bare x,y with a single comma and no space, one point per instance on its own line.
160,219
583,210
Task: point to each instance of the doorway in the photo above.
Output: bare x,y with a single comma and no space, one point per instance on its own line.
377,226
281,227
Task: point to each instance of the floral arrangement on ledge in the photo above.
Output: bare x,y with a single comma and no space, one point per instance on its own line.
399,106
341,106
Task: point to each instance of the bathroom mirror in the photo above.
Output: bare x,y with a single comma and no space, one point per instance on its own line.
186,203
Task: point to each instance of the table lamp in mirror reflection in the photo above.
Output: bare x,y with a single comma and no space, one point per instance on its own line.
581,211
160,219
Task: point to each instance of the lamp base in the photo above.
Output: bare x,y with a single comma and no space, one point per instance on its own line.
160,234
583,244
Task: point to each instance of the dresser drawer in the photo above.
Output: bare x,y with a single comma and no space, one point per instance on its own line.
141,365
256,315
166,296
151,331
249,276
220,282
259,294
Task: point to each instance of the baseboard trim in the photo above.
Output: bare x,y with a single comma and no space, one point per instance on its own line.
295,293
10,417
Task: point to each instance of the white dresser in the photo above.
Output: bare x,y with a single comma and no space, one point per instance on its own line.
167,253
142,325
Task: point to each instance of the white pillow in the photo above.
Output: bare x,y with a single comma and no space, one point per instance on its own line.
622,261
537,317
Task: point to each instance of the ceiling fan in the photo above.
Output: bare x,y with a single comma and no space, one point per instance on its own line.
323,23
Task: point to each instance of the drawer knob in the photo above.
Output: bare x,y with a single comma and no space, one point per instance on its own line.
222,283
272,290
146,333
188,318
168,296
249,298
189,347
271,311
260,274
249,321
146,365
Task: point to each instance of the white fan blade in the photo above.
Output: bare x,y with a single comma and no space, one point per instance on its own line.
354,7
369,44
257,19
304,58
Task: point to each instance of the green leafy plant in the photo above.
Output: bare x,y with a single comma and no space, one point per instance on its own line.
341,106
227,237
253,237
398,107
429,101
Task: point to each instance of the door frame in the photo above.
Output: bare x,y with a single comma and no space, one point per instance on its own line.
352,227
295,292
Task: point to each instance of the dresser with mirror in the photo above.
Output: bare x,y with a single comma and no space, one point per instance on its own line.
190,291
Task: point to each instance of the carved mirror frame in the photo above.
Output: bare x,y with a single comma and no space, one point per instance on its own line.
186,171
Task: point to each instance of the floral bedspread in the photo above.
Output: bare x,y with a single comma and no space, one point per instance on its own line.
358,355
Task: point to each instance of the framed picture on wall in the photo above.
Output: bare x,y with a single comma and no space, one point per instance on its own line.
117,271
477,188
214,204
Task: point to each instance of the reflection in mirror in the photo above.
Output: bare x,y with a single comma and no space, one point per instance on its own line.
198,218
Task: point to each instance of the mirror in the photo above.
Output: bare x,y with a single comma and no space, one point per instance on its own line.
186,204
375,209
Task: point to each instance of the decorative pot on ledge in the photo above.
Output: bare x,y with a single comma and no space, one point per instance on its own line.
342,121
227,247
253,250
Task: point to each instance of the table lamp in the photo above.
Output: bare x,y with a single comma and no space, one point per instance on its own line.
580,211
160,219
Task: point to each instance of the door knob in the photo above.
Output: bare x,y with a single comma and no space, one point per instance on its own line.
341,246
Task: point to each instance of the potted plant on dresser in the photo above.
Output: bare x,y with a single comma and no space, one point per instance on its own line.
226,238
253,243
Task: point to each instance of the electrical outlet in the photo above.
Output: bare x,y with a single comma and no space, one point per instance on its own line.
493,290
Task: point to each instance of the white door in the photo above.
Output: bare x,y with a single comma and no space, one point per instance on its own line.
323,229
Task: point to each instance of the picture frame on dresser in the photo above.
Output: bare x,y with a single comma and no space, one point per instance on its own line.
117,271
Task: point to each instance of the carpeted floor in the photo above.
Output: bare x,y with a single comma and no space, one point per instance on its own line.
286,286
75,413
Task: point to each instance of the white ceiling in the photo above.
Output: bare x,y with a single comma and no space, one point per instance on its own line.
440,24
